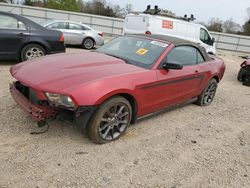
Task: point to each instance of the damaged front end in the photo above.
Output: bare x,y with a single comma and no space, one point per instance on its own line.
29,101
44,106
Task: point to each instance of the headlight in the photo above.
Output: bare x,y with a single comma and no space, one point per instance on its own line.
57,100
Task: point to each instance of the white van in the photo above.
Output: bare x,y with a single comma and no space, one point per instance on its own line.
138,23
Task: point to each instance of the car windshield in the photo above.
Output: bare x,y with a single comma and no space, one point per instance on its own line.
134,50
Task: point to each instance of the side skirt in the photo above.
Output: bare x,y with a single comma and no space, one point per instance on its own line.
167,109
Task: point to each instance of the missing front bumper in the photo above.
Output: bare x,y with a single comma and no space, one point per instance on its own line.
37,112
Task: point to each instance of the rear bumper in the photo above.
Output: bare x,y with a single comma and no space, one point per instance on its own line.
57,47
99,41
37,112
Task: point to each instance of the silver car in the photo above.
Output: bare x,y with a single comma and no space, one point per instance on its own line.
76,33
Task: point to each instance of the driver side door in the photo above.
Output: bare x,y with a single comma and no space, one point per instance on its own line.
177,86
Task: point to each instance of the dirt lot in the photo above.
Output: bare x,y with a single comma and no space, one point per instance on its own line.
191,146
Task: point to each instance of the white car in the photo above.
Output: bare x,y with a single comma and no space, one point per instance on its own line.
76,33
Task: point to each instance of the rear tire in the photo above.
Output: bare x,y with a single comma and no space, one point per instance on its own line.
246,80
32,51
88,43
207,96
110,120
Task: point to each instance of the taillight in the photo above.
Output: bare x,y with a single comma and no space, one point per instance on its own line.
61,39
148,33
101,34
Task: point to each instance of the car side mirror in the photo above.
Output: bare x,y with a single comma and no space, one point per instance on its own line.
172,66
212,41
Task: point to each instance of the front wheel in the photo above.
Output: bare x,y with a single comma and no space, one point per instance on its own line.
110,121
32,51
207,96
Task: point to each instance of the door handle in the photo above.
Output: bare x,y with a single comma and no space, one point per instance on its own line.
22,34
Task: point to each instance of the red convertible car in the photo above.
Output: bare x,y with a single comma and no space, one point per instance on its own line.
127,78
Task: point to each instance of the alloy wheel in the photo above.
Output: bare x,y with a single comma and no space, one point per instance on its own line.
114,121
34,52
210,93
88,43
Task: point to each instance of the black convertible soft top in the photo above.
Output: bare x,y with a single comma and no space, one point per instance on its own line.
177,42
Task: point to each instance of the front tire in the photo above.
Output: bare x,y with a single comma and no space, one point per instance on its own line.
88,43
32,51
207,96
110,120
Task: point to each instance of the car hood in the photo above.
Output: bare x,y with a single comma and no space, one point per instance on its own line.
60,72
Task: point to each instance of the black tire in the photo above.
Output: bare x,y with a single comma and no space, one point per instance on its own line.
240,76
246,80
207,96
245,83
32,51
110,120
88,43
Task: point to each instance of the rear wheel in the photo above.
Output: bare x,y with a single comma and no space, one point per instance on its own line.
246,80
32,51
110,121
207,96
88,43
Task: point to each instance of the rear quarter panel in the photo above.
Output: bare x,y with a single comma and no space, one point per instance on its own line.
49,39
214,68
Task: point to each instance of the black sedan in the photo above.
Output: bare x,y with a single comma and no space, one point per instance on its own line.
23,39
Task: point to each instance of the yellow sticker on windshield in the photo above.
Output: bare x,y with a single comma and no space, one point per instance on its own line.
142,51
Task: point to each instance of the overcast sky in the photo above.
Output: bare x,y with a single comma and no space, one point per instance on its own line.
203,10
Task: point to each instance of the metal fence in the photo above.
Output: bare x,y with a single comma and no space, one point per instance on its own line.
108,25
236,43
113,26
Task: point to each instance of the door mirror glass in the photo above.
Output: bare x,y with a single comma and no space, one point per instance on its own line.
172,66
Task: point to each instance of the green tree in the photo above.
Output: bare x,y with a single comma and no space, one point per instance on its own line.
229,26
215,24
246,26
68,5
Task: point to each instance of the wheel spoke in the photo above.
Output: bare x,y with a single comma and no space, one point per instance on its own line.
115,108
205,99
123,121
106,132
120,110
124,114
104,126
104,120
207,93
118,129
112,133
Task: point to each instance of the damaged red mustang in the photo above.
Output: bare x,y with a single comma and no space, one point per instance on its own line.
106,90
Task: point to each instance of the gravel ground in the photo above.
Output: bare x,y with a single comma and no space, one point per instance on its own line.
190,146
